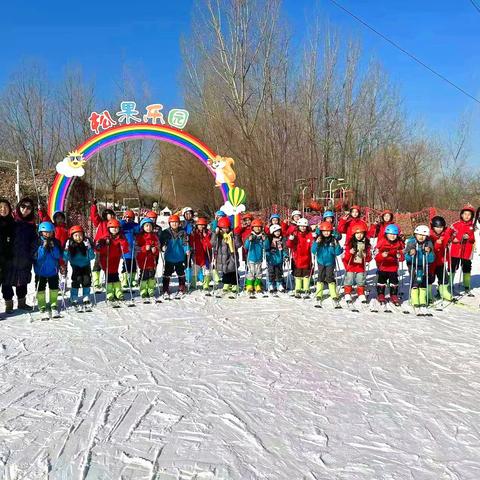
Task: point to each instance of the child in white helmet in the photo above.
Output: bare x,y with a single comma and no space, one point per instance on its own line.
419,256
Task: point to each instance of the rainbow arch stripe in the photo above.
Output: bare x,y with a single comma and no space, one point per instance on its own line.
138,131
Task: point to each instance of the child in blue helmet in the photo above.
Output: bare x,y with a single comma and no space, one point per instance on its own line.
130,229
389,255
214,223
46,266
328,216
275,219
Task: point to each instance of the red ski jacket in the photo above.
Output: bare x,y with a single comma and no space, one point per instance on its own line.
99,223
147,259
201,247
462,248
391,261
440,243
377,230
346,225
349,259
113,251
301,247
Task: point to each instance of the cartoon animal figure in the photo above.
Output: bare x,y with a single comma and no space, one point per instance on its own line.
224,173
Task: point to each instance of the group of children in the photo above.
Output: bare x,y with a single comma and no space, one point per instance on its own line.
207,254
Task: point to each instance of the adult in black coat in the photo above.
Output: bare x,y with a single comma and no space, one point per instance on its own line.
7,226
19,269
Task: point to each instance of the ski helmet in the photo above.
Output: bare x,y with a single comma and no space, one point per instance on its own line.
108,211
145,221
113,223
75,229
275,228
129,214
328,214
438,221
360,227
202,221
296,212
356,207
392,229
187,209
274,215
467,208
223,222
57,214
302,222
247,216
422,230
326,227
48,227
173,218
257,223
151,214
220,213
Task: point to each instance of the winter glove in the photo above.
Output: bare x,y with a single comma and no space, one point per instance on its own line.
148,247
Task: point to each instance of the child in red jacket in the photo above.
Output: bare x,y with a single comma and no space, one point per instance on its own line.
111,249
463,239
100,222
390,254
148,248
201,247
348,222
440,236
355,259
300,243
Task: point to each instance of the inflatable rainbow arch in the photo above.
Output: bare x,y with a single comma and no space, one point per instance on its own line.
138,131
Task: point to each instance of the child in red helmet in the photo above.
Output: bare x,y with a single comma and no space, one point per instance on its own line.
355,259
349,221
100,222
201,247
300,243
148,249
111,249
463,239
174,241
256,245
225,245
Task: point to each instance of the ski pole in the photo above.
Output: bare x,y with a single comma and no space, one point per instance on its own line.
130,283
427,280
106,272
235,252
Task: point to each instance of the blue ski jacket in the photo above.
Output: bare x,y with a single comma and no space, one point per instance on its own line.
278,251
256,247
47,258
175,244
326,252
79,255
421,258
130,229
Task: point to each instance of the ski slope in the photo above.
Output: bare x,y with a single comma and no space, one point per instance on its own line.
207,388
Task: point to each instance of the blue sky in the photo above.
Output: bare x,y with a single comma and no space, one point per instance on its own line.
100,36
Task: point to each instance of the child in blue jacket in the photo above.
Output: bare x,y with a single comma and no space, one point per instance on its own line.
419,256
256,244
46,266
325,249
79,252
130,229
174,241
276,255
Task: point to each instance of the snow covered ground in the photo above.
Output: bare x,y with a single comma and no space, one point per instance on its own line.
206,388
